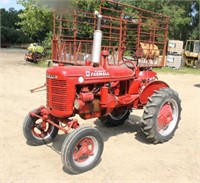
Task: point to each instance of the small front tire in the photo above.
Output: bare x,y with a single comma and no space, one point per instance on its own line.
82,149
35,134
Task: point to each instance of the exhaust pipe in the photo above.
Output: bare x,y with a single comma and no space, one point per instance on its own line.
96,48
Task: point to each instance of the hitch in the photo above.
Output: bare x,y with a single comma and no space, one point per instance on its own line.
38,88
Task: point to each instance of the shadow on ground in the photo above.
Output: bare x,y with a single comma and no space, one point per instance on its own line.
131,126
197,85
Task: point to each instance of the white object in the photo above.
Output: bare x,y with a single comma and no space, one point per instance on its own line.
96,48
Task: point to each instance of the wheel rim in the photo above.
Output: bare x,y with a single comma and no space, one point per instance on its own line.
85,151
41,129
167,117
119,113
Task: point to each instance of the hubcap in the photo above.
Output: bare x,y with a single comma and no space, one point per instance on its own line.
41,129
167,117
85,151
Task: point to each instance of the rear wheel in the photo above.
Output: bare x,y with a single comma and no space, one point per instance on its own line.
82,149
161,116
38,132
116,118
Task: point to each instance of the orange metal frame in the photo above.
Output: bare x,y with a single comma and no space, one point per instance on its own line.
125,28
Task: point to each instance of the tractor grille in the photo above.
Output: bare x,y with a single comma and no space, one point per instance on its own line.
56,94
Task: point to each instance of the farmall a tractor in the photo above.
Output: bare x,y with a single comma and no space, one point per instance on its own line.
105,92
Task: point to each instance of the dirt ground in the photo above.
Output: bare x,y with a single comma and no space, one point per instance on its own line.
126,157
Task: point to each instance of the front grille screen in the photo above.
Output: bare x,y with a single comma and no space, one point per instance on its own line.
56,94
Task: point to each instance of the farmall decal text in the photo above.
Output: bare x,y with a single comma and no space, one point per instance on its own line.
96,73
51,76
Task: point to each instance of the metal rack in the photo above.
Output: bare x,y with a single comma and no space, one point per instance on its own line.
126,30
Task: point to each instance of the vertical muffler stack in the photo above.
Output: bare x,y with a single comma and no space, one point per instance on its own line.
96,48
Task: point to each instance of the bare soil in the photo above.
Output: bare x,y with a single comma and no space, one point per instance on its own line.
127,157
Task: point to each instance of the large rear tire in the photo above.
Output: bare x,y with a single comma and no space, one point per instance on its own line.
35,134
82,149
161,116
116,118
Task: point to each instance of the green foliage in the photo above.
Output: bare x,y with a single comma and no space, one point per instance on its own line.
42,63
47,43
9,18
11,35
184,16
183,70
10,32
35,20
180,19
195,33
87,5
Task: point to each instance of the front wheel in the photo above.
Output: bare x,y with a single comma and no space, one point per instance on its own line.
161,116
82,149
38,132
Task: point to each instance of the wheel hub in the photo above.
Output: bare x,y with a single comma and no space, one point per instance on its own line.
40,129
165,116
83,150
41,126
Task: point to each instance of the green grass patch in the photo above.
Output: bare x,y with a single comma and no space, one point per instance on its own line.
183,70
43,63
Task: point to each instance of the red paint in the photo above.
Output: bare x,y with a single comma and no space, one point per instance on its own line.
86,97
65,101
145,75
165,116
41,126
83,150
96,90
105,53
104,97
88,62
148,89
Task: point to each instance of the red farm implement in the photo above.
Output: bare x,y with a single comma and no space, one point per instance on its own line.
106,84
127,30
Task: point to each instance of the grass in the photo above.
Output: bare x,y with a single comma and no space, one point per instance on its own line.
183,70
43,63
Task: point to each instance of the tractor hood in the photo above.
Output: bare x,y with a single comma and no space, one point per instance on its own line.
89,74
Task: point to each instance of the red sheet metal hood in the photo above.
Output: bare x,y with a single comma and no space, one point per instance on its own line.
88,73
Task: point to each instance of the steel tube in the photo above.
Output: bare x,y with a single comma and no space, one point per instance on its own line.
96,48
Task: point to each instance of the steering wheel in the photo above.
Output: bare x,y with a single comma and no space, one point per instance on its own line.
130,61
133,57
130,64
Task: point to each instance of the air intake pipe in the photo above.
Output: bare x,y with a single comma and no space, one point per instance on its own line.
96,48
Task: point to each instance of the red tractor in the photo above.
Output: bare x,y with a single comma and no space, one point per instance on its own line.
100,91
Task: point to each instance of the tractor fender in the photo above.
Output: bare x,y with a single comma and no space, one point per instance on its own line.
150,89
